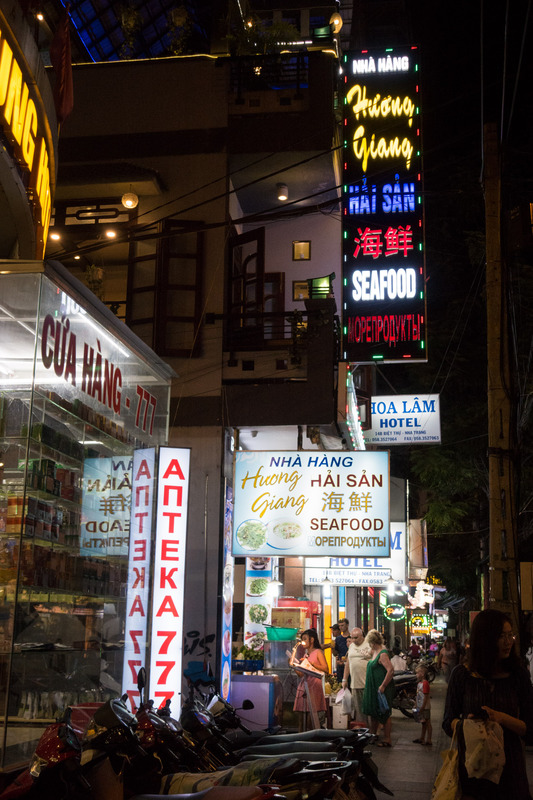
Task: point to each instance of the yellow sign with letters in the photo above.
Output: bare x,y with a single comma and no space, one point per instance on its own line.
25,125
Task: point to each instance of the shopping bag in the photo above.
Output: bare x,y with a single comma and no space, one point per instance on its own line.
348,706
383,703
339,696
446,786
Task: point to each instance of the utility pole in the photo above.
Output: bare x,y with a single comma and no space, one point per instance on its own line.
503,566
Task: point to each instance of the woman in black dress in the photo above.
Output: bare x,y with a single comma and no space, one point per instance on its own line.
492,681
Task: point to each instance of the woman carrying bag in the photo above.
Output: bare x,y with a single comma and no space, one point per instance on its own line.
491,686
379,688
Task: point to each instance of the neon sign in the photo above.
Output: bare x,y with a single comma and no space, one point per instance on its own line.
384,301
26,129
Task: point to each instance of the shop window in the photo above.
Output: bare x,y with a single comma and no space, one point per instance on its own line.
164,289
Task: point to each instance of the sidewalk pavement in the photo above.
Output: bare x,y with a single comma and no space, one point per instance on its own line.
409,769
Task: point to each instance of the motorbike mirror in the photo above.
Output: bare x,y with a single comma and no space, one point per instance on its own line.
141,683
247,705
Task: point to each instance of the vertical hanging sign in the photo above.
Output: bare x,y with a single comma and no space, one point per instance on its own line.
384,297
169,574
142,493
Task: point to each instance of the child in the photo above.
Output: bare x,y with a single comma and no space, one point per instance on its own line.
423,707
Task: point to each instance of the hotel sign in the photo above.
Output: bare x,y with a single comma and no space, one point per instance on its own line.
384,298
404,419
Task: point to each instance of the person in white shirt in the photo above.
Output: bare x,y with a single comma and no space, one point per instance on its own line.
357,659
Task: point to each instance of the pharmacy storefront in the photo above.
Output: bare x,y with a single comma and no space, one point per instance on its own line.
80,397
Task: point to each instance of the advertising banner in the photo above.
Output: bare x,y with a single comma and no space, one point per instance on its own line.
258,602
138,592
105,511
169,574
227,599
384,286
308,504
404,419
362,571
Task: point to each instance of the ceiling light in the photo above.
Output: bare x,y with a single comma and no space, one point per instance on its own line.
55,236
77,258
130,200
40,16
110,234
283,191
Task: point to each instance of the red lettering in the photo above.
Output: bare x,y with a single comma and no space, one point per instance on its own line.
168,666
133,666
167,607
144,470
179,495
168,546
164,578
169,635
140,577
138,490
171,514
174,469
135,636
139,546
140,517
165,696
137,607
133,695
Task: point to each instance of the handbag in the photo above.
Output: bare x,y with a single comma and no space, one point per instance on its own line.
383,703
447,786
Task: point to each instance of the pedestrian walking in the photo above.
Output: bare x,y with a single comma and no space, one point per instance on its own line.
357,658
493,685
448,658
341,647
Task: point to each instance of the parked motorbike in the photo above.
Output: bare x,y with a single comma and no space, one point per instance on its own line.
317,745
405,695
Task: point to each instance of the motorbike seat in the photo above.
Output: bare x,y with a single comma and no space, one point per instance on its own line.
213,793
273,748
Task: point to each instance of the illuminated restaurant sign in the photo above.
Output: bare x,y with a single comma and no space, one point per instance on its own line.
306,503
26,128
384,299
169,574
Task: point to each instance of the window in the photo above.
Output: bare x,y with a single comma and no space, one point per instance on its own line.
165,289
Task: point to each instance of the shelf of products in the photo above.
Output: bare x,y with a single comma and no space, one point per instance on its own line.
61,629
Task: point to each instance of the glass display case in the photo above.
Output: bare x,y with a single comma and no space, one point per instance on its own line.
78,395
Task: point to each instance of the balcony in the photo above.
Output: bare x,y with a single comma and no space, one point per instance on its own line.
279,368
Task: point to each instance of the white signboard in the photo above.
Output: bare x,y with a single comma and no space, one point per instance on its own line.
306,503
169,574
138,571
404,419
105,511
362,571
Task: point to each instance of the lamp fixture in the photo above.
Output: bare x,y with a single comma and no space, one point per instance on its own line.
336,22
283,191
130,199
